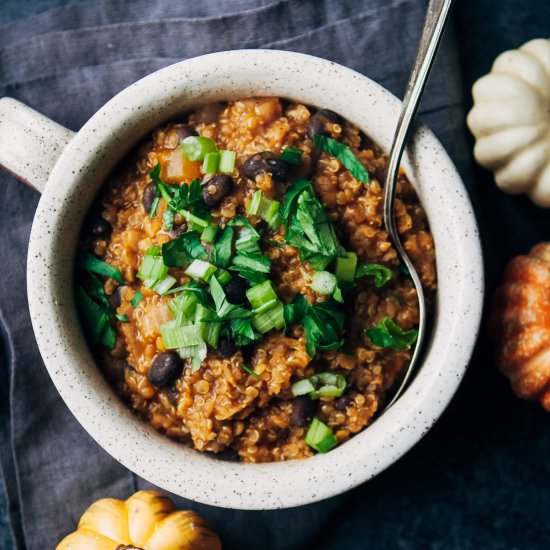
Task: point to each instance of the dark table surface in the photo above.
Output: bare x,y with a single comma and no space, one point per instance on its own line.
478,479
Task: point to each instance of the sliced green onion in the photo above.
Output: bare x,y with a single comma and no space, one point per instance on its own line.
324,384
153,268
210,162
227,161
266,209
345,268
164,285
89,262
250,371
320,437
197,353
209,329
261,294
223,276
247,242
199,269
168,219
196,147
138,296
154,207
183,307
292,155
209,234
323,282
122,318
302,387
273,318
256,262
174,337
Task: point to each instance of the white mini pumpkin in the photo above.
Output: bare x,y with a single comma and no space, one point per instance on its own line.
511,121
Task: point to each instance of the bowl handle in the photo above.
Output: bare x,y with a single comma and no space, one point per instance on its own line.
30,143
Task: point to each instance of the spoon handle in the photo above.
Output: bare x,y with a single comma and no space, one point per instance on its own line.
434,25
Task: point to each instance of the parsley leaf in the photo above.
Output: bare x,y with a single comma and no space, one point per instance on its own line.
344,154
380,273
91,263
388,334
220,253
242,332
181,251
323,323
308,226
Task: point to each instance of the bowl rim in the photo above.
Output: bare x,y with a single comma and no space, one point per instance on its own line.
196,476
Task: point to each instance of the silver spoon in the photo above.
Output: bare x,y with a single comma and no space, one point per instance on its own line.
434,25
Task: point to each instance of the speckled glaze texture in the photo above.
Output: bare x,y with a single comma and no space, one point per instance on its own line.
76,178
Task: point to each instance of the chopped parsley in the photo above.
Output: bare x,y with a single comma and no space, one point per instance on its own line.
138,296
89,262
308,226
380,273
323,322
183,250
220,254
344,154
388,334
292,155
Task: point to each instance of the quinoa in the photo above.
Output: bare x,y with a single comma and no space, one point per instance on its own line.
221,407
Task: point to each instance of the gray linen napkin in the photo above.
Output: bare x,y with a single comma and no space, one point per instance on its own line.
66,63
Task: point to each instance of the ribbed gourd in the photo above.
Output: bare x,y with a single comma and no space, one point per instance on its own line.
510,120
146,521
520,324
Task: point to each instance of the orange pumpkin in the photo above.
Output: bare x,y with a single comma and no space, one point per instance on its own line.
520,324
146,521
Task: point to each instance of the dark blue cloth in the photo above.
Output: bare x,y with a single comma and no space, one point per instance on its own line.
477,480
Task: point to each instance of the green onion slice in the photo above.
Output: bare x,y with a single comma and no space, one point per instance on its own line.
320,437
227,161
302,387
196,147
174,337
344,154
199,269
210,162
261,294
323,282
345,268
122,318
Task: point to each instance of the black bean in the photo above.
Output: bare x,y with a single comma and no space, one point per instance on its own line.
184,131
266,162
226,347
248,353
342,402
115,299
215,189
303,409
99,227
322,121
165,369
235,290
149,196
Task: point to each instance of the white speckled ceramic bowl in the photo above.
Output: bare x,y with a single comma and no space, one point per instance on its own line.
70,168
